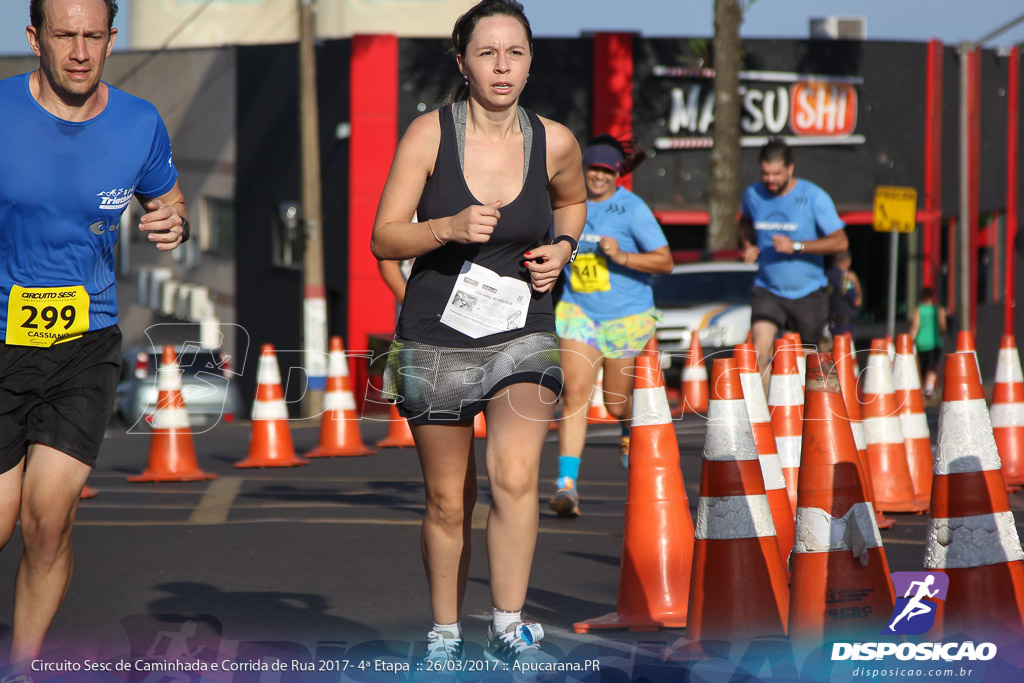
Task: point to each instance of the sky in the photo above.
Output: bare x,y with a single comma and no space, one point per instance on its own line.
948,20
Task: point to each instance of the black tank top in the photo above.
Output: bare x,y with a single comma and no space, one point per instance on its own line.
523,226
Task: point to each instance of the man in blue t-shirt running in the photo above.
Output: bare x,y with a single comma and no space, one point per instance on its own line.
73,153
788,226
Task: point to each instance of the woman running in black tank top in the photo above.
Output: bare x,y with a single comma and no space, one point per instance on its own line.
476,332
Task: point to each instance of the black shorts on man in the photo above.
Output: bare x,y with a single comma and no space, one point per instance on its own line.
806,315
61,397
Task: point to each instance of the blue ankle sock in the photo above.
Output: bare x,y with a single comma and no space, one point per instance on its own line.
568,466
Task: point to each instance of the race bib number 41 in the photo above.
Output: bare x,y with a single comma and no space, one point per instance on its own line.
44,316
590,274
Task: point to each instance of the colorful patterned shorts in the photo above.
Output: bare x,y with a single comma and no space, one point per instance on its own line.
617,339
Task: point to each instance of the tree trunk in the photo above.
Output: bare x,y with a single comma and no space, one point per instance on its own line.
723,232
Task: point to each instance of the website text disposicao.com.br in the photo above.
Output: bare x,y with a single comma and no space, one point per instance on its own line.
912,657
904,673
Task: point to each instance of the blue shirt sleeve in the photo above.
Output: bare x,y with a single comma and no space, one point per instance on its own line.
646,230
159,174
825,215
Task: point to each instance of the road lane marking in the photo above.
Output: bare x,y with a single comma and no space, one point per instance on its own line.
480,512
243,506
216,502
902,541
285,520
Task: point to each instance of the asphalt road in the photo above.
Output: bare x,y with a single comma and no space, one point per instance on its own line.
322,564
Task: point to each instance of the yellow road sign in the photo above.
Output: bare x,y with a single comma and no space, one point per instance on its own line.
895,208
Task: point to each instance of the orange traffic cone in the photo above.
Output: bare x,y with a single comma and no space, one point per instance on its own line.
172,456
917,438
695,379
738,586
845,358
965,344
399,435
339,425
596,412
657,542
840,573
88,493
800,353
767,451
1007,412
972,536
887,455
786,407
479,426
890,349
271,442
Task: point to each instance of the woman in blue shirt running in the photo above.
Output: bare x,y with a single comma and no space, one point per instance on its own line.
606,314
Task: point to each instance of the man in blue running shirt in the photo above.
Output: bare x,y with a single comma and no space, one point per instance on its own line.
788,226
73,153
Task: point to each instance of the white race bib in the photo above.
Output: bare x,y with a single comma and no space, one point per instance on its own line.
483,302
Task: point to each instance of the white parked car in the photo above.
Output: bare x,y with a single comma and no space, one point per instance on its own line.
711,298
207,388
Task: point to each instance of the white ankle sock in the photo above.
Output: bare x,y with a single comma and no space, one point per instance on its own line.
455,629
502,620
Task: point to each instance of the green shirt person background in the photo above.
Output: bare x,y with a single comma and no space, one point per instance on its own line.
928,330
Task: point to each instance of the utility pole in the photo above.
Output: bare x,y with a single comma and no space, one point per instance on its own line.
314,300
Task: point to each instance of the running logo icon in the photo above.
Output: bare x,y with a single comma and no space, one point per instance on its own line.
914,613
116,199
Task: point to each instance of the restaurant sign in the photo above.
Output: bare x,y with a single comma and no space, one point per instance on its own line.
804,109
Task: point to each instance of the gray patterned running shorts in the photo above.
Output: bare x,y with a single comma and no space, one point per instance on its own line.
445,385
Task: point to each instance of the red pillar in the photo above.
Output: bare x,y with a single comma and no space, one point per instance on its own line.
974,177
1012,170
931,242
613,88
373,114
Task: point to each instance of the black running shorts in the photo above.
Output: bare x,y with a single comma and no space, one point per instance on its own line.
930,360
61,397
806,315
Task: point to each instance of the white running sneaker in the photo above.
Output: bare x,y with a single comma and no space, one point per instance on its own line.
520,642
17,678
443,646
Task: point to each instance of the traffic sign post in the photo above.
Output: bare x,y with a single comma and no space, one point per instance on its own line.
895,212
895,209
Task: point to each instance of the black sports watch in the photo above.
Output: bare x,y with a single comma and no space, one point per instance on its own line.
185,229
572,243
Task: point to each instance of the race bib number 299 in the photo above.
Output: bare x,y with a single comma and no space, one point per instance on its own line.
44,316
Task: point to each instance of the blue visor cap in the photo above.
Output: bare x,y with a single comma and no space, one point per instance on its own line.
604,156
